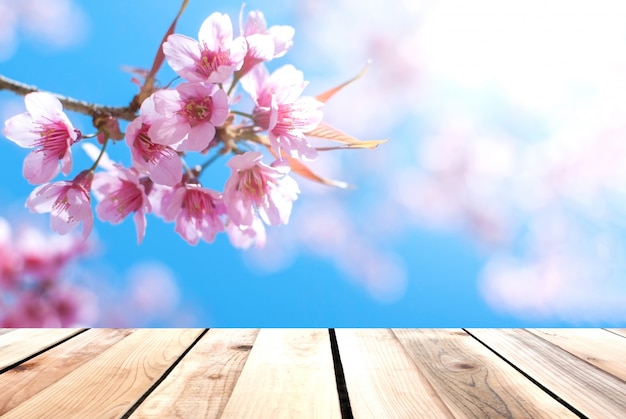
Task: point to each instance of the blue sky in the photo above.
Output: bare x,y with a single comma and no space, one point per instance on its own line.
440,262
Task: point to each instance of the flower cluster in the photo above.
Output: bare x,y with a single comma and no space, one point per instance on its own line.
33,269
196,116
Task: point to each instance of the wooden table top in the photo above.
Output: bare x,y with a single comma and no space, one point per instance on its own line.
312,373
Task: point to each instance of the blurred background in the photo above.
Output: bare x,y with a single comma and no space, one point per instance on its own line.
499,199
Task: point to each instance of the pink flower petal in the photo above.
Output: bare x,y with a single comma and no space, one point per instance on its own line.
37,169
199,137
168,170
216,31
140,223
43,105
21,130
182,53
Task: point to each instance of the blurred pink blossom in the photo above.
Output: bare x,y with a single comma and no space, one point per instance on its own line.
45,282
55,23
32,292
507,148
245,236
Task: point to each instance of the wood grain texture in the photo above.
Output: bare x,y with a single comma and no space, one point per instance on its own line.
382,380
472,381
588,389
19,344
110,383
27,379
289,374
621,332
584,343
201,384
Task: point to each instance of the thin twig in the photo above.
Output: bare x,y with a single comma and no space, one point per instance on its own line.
91,109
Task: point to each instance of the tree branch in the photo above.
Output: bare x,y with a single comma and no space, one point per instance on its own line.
122,112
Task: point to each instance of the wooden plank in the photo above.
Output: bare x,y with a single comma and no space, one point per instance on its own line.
621,332
598,347
382,380
289,374
22,343
112,381
471,380
201,384
27,379
591,391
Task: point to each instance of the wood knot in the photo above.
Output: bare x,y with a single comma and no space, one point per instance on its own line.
24,367
463,366
243,347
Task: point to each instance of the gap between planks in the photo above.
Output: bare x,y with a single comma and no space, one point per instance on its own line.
588,389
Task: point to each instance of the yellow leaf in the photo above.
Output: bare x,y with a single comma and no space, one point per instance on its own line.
324,97
328,132
360,145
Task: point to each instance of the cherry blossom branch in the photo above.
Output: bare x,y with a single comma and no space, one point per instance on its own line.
122,112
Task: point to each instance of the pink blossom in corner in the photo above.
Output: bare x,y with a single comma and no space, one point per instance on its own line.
263,44
254,186
160,162
57,308
68,203
47,255
45,127
120,192
280,109
197,212
213,58
190,112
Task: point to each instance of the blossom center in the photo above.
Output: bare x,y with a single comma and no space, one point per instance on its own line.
62,204
198,204
126,199
252,183
197,111
148,149
54,139
210,61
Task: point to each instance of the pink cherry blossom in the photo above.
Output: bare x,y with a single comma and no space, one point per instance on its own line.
68,203
120,192
263,44
213,58
44,255
45,127
58,308
190,112
280,109
196,210
160,162
254,186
